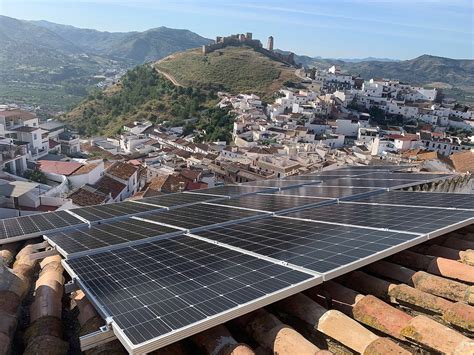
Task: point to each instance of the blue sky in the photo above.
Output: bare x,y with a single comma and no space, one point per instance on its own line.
400,29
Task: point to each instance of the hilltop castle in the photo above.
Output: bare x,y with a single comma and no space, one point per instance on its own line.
246,39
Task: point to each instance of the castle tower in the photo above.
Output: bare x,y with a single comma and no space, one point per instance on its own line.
270,43
248,35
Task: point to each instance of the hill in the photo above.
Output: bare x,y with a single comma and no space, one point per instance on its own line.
144,93
52,65
232,69
456,76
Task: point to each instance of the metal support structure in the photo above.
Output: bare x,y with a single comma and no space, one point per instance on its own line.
43,254
104,335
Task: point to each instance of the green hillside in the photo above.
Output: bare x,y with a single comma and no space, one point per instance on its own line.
232,69
52,66
145,94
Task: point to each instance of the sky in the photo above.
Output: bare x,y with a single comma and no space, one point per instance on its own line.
399,29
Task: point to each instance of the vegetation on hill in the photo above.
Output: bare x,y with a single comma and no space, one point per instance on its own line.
145,94
50,65
232,69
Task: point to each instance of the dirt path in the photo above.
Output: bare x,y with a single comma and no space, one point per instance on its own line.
169,77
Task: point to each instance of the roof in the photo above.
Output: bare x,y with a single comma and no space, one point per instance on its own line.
135,162
26,129
52,125
59,167
122,170
17,188
86,196
196,186
191,174
108,185
85,169
166,183
53,144
462,162
24,115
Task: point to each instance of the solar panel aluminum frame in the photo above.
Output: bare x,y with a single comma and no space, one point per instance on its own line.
256,255
125,216
196,192
68,256
418,239
328,201
357,264
40,233
350,225
76,280
183,205
212,321
298,183
263,214
372,191
397,187
450,228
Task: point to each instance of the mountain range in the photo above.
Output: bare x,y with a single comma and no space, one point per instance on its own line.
43,63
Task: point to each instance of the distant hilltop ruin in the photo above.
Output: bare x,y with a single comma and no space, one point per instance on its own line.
246,39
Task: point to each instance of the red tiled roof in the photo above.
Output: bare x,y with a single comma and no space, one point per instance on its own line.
191,174
53,144
86,197
135,162
108,185
85,169
122,170
462,162
196,186
59,167
24,115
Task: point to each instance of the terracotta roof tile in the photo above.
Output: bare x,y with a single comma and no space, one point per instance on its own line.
109,185
87,197
59,167
85,169
122,170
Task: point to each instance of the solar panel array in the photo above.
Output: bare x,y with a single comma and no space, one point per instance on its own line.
164,286
19,228
166,267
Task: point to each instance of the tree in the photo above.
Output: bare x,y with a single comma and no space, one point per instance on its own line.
35,175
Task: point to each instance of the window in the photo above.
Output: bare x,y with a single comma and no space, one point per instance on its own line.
35,136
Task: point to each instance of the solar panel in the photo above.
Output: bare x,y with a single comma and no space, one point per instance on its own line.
424,199
318,191
201,215
404,176
406,219
155,293
370,183
338,173
178,199
25,227
319,247
281,184
375,167
304,178
272,202
112,210
106,235
231,190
